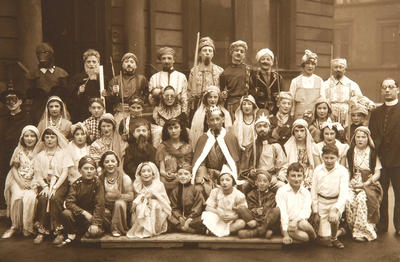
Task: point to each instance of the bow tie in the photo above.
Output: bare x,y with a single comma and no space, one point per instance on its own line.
170,70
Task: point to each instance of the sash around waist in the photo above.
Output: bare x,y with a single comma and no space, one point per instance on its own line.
328,197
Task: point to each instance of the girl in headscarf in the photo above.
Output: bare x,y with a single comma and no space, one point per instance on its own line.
118,193
212,97
20,191
76,149
173,152
51,172
109,139
330,135
151,207
362,207
321,114
55,115
245,117
299,149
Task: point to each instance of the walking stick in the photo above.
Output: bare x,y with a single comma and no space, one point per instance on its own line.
101,79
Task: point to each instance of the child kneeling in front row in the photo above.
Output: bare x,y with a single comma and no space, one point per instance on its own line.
221,215
294,203
262,205
329,193
187,204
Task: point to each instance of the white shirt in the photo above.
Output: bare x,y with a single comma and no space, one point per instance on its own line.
338,90
332,183
51,70
176,79
294,206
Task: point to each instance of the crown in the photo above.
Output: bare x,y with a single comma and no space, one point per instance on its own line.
262,119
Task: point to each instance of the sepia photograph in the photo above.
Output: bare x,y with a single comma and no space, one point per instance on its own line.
199,130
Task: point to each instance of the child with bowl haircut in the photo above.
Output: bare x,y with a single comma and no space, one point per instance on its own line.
294,203
187,204
329,193
261,202
221,216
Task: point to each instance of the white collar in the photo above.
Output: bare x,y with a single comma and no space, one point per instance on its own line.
51,69
392,103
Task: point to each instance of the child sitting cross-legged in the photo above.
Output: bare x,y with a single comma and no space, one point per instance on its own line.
294,203
187,204
221,216
261,201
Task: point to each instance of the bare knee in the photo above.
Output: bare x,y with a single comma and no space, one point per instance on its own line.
120,203
300,236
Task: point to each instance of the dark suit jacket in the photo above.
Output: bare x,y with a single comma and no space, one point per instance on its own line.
387,145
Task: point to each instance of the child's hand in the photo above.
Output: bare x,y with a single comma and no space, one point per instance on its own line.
260,211
287,240
292,226
333,215
252,223
187,223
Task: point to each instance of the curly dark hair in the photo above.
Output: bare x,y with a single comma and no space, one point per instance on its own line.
103,158
184,136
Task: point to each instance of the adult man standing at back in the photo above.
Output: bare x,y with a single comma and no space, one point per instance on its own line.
168,77
338,89
203,75
385,125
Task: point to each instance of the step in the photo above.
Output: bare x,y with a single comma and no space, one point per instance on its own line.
180,240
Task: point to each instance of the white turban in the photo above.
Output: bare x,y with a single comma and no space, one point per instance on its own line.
340,61
264,52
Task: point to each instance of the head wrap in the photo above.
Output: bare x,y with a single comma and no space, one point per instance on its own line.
237,44
309,56
206,41
61,140
44,47
226,170
129,55
29,128
263,52
136,100
361,104
285,95
214,110
264,172
46,114
110,117
340,61
85,160
165,51
239,123
210,89
9,93
76,126
299,122
367,132
262,117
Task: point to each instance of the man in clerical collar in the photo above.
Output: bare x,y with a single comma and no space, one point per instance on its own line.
214,149
128,84
168,77
338,89
235,79
385,125
203,75
265,82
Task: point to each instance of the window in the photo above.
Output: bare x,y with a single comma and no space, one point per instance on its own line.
388,36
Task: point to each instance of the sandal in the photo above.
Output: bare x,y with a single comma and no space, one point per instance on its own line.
336,243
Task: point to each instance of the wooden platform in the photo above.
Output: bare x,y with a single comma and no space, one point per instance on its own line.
180,240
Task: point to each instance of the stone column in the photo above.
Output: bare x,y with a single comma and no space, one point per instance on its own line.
135,31
30,31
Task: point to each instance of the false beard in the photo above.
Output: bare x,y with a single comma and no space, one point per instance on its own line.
142,142
207,61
